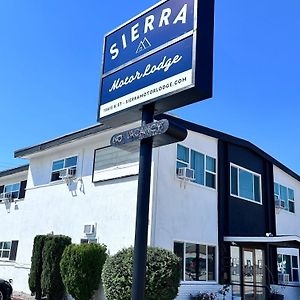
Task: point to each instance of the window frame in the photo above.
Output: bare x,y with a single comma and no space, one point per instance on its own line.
2,249
238,184
180,160
14,191
114,172
209,171
291,280
88,241
64,159
205,170
291,200
183,272
293,268
287,203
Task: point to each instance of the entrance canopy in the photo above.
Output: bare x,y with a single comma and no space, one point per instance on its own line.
290,241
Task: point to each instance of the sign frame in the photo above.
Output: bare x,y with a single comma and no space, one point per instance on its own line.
163,132
202,66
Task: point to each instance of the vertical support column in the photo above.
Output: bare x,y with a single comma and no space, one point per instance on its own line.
242,275
223,206
267,267
142,211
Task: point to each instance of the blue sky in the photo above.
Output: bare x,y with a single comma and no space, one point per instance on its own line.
50,56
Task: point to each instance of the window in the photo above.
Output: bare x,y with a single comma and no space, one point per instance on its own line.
235,270
203,165
13,189
8,250
112,162
179,251
286,196
88,241
5,249
245,184
58,165
287,266
197,261
183,156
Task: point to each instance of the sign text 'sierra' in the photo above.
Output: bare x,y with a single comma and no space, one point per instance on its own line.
154,57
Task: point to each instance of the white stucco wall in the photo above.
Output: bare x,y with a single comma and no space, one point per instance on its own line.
287,222
11,229
184,211
62,209
290,293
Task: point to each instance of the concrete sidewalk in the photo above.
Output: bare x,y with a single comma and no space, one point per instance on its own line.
22,296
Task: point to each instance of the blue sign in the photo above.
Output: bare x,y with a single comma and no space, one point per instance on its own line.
162,72
160,56
153,29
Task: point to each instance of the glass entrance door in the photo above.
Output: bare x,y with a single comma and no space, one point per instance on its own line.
247,274
253,274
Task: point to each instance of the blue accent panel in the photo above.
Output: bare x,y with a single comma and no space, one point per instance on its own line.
181,49
154,37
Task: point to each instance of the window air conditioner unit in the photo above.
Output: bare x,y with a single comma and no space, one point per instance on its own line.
6,197
67,173
89,229
283,278
277,203
186,174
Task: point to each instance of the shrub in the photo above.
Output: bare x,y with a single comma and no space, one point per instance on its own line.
51,281
36,266
212,295
162,275
81,267
203,296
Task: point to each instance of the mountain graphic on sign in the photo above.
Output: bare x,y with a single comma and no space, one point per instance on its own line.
143,45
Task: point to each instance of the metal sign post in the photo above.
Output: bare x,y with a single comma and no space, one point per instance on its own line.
142,211
150,134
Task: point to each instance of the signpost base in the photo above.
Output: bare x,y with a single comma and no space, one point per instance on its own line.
142,211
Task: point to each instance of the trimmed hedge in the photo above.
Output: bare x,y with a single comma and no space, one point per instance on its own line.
81,267
162,275
36,266
51,281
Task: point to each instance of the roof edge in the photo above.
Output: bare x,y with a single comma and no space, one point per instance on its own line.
14,170
187,124
20,153
232,139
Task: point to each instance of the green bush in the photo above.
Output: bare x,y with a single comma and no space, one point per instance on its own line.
51,281
81,267
36,266
162,275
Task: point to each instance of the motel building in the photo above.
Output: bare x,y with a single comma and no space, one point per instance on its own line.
229,210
